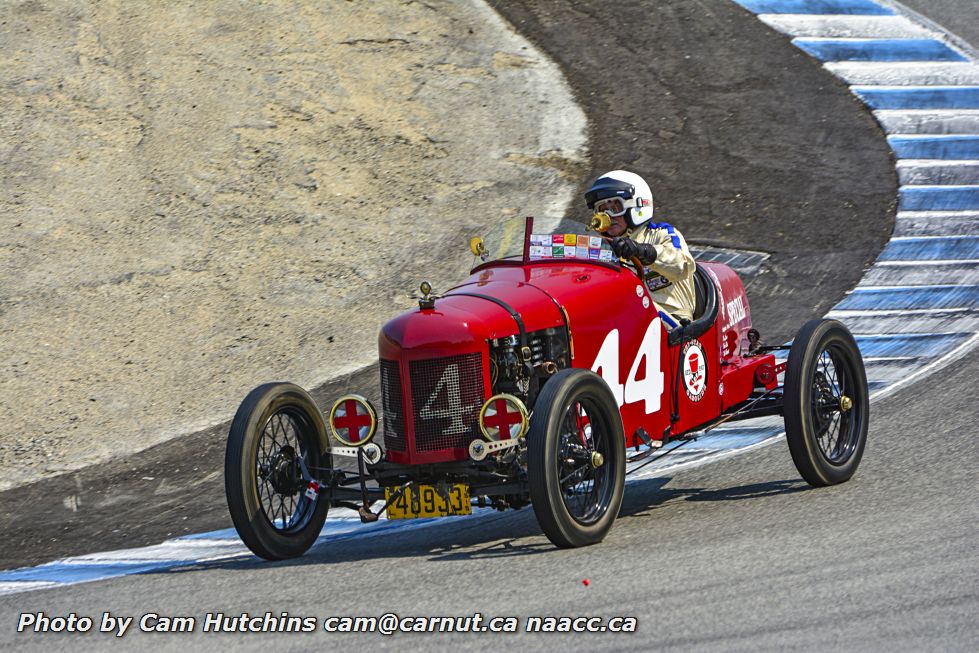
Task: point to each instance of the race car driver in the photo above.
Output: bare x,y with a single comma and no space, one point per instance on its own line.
628,201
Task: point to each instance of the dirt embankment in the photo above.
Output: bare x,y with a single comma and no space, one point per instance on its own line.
198,197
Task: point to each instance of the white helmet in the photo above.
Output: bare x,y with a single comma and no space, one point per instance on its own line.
637,199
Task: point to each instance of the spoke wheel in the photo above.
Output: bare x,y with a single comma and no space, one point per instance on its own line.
576,458
276,431
826,403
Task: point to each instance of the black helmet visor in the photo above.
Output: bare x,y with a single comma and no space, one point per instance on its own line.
606,187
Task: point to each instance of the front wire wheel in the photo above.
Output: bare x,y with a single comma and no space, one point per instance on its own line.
576,458
826,403
280,476
275,433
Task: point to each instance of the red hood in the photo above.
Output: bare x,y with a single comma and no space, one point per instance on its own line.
461,321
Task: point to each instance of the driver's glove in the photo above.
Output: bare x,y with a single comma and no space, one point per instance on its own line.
627,248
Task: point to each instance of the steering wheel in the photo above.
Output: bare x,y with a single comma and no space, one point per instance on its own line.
635,265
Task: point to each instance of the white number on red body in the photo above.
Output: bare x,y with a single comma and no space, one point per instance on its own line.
645,379
449,382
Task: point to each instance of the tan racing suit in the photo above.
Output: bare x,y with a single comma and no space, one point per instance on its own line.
670,277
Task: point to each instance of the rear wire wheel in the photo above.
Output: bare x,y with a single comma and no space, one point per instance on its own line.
826,403
276,427
576,458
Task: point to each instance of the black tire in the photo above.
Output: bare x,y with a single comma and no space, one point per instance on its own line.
574,501
826,433
275,425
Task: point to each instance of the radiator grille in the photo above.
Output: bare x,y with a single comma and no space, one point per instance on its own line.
446,396
393,405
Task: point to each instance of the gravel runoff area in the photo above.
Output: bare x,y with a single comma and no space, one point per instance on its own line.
199,197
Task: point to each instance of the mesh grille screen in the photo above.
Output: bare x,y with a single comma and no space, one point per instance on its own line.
393,422
446,396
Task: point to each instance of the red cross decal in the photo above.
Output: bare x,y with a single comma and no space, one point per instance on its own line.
503,419
352,420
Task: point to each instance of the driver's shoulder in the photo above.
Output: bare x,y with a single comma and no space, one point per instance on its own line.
659,233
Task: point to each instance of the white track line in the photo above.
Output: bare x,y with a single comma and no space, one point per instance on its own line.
842,26
928,121
951,261
885,312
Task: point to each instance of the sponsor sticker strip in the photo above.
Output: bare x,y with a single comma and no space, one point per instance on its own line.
569,246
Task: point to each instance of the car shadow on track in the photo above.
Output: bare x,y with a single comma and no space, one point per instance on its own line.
639,498
649,494
492,535
753,491
488,535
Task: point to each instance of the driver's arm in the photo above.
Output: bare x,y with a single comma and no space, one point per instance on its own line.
674,263
662,248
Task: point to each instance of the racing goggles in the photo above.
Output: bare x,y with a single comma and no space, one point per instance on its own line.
613,206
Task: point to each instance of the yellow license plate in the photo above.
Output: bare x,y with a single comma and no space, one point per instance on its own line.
425,501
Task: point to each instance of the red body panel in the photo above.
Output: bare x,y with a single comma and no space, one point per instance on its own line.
732,325
613,324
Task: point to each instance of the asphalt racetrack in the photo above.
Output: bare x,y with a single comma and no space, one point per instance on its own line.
737,555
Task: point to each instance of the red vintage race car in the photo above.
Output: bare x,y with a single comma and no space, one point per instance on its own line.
534,382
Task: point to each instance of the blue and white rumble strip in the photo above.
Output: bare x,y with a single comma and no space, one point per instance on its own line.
918,307
915,311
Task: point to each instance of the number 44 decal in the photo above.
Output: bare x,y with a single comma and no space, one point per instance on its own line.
649,386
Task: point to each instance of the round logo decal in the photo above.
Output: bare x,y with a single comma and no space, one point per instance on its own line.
694,370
